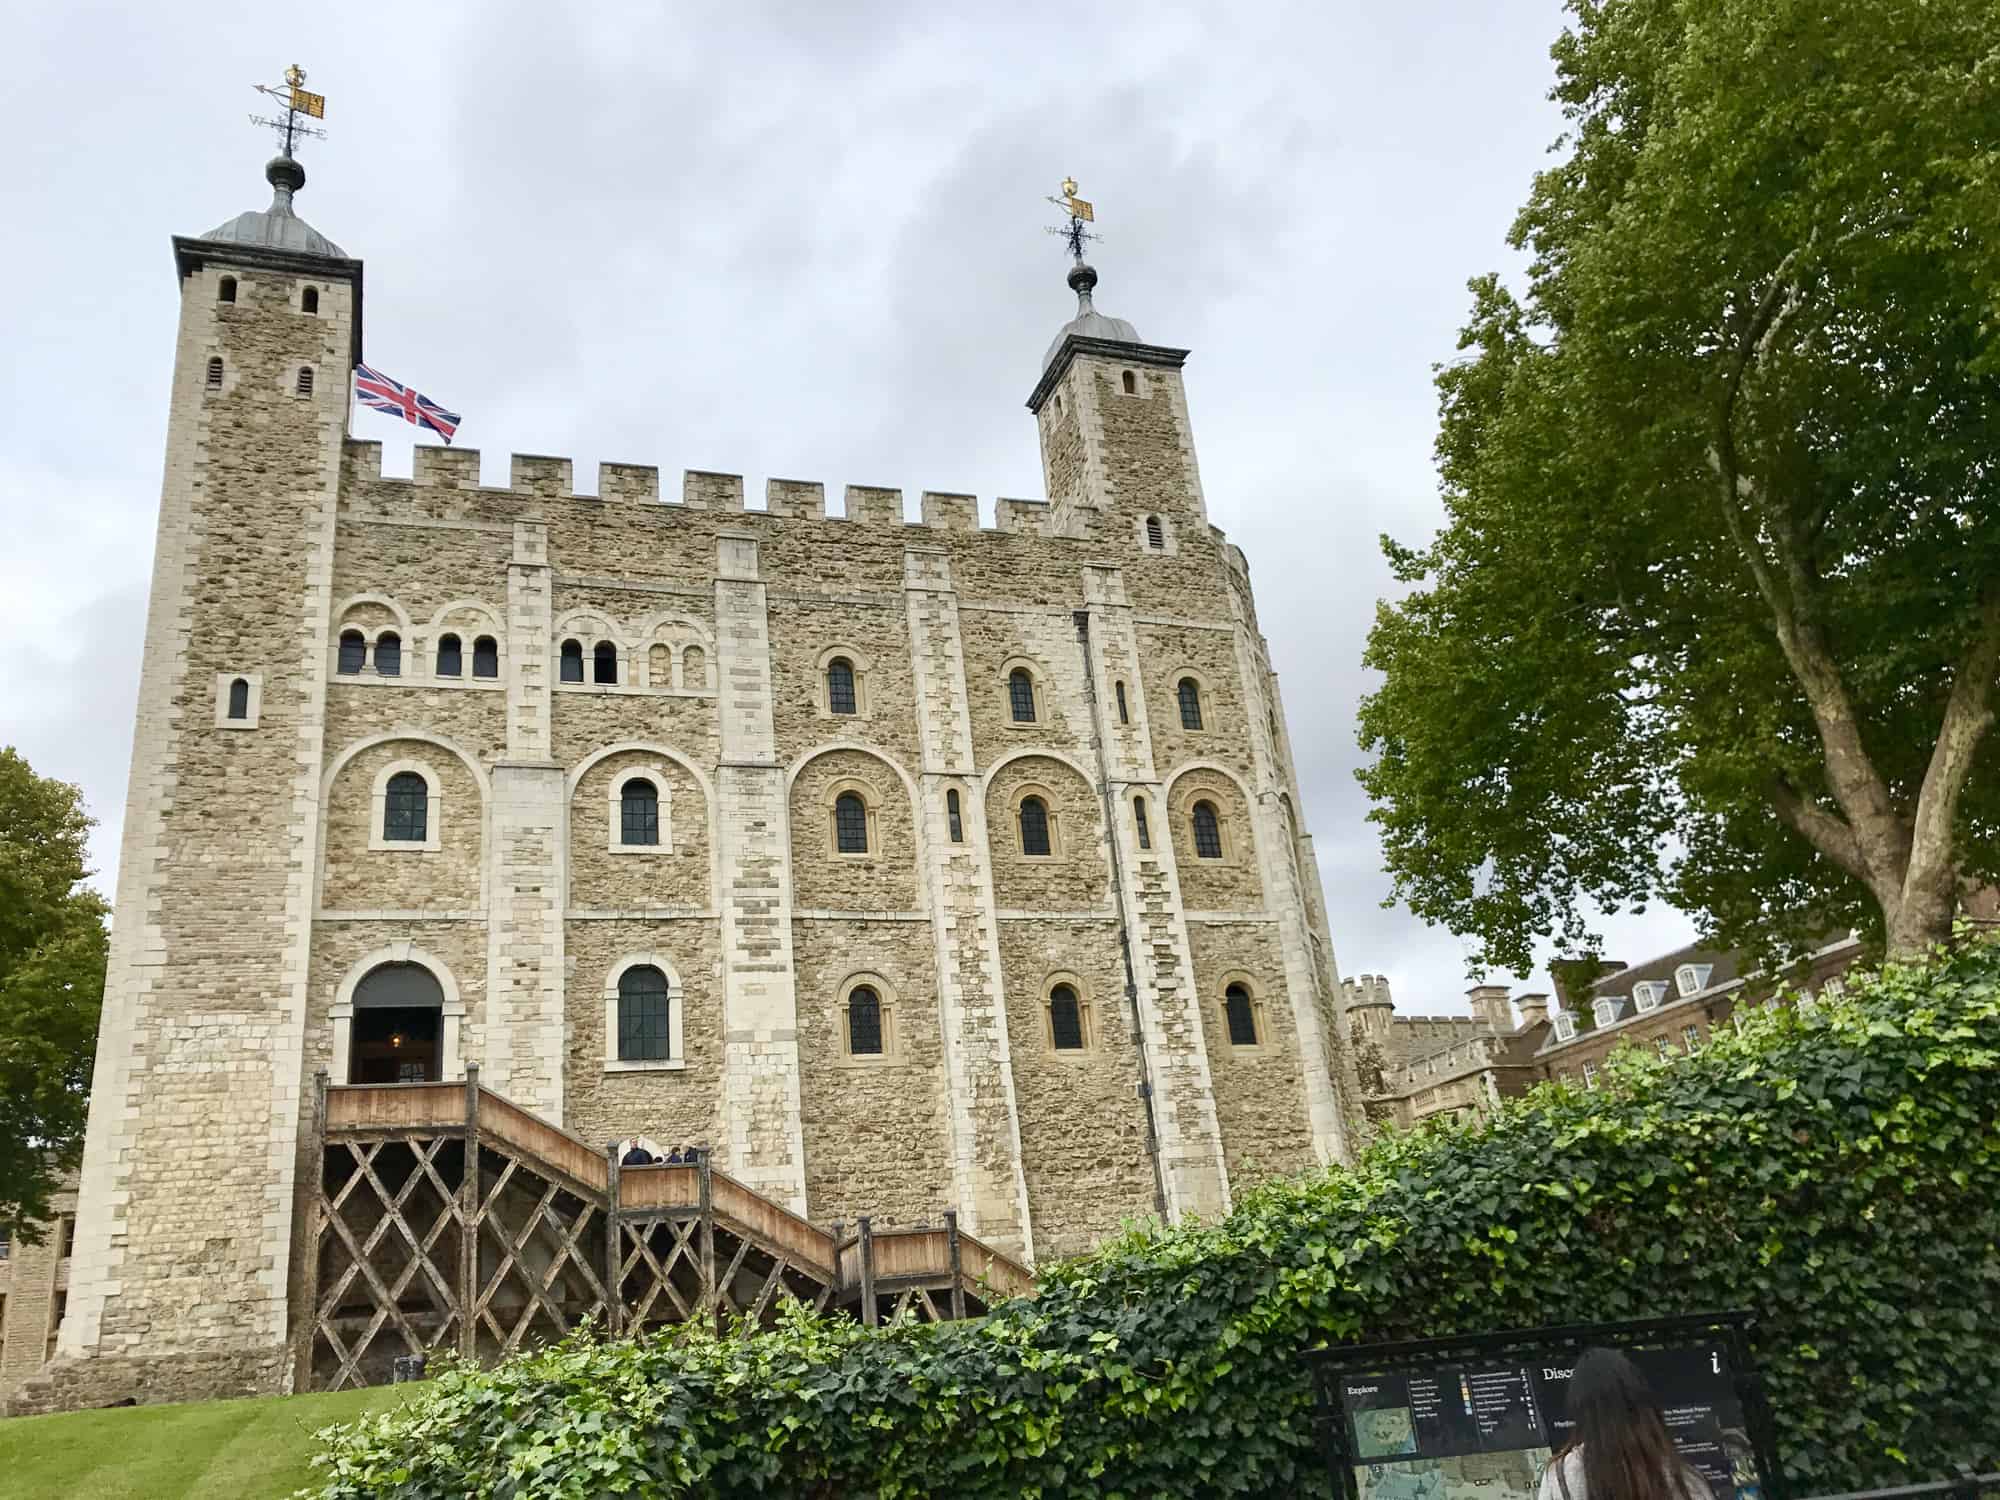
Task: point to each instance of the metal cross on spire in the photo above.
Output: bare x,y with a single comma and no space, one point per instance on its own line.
298,101
1080,213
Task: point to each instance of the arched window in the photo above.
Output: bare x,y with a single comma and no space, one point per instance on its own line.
572,661
353,651
305,385
1156,534
604,663
864,1021
1131,384
1242,1016
1021,696
406,809
850,823
309,300
951,817
694,668
451,658
1207,831
226,290
1189,693
239,698
485,657
1124,717
639,812
642,1015
1139,817
215,373
840,686
1065,1019
1034,826
389,654
397,1031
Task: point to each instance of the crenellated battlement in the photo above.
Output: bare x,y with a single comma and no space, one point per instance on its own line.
539,476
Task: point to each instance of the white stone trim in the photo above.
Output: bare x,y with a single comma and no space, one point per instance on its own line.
1259,1013
378,803
823,693
616,830
252,708
1204,699
1086,1014
892,1037
1038,686
452,1013
676,1058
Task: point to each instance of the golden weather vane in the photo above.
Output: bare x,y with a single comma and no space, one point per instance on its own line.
1079,213
298,101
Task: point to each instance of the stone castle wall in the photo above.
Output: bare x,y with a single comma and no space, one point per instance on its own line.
256,853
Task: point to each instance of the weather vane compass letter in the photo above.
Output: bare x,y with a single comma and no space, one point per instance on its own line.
1080,213
298,101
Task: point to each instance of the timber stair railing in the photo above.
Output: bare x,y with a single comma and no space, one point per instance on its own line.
445,1216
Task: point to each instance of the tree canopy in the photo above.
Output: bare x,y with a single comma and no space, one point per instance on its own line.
1715,615
52,951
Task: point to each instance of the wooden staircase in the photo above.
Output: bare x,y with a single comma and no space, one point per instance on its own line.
448,1217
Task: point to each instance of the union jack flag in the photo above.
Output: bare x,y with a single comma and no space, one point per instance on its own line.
377,390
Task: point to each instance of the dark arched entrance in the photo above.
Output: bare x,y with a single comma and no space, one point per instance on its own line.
398,1034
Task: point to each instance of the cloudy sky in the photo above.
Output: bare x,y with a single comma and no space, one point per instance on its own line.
797,240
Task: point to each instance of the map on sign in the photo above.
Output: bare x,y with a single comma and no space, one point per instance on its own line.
1453,1430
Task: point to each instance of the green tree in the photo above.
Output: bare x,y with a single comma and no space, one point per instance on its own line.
1716,611
52,950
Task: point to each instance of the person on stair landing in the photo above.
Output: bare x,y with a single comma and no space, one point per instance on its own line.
1620,1449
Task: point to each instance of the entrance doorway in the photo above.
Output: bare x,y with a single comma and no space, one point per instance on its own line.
398,1027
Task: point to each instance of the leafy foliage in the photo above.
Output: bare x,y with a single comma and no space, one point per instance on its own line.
52,951
1716,610
1838,1171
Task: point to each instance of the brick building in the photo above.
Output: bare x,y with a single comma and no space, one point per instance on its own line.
912,865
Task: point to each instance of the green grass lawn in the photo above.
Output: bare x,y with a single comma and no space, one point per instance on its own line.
204,1450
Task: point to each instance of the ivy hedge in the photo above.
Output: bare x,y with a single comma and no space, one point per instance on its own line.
1838,1171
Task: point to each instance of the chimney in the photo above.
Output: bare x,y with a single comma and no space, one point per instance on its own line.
1534,1009
1489,1004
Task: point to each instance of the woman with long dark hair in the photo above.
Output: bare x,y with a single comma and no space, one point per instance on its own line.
1618,1448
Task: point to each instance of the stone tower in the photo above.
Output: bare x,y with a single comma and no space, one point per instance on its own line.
185,1220
904,866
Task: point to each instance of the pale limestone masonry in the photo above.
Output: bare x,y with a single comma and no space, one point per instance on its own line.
520,655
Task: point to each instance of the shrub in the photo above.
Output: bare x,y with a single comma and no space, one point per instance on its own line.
1837,1171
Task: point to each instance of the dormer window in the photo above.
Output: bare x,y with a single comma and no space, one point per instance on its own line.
1647,996
1692,979
1565,1026
1604,1011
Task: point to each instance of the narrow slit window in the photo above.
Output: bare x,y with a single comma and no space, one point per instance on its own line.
309,300
406,808
353,652
1131,384
389,654
485,657
215,373
1034,826
1065,1019
1156,534
451,657
1242,1016
840,686
572,661
864,1022
1190,697
604,663
239,698
1124,716
643,1003
952,819
1139,817
1021,696
639,813
850,824
1207,831
226,291
305,385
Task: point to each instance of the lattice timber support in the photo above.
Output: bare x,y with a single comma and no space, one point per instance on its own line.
447,1217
